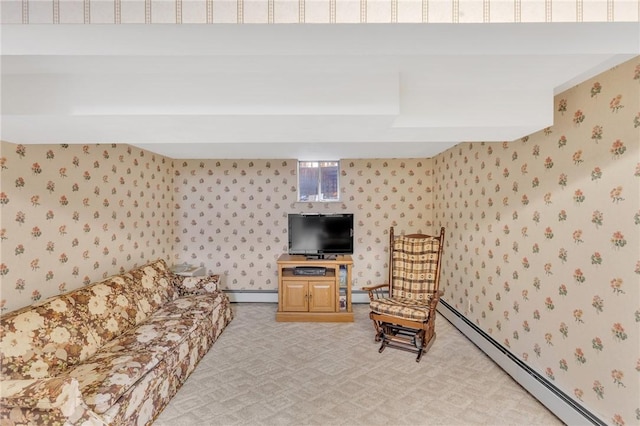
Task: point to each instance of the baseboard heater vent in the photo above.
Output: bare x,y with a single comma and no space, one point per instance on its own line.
271,296
558,402
252,296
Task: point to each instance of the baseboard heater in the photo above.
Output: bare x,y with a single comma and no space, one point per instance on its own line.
558,402
271,296
252,296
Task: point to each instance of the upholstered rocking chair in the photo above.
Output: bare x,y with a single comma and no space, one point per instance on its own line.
404,309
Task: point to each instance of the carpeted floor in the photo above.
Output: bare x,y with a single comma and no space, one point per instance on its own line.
262,372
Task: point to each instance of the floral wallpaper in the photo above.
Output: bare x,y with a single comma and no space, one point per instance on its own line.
73,214
543,244
232,215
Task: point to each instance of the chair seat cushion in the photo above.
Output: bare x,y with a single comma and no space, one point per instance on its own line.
402,307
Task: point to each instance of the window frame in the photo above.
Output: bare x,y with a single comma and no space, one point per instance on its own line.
319,196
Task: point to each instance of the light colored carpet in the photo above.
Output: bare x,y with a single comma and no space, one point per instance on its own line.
262,372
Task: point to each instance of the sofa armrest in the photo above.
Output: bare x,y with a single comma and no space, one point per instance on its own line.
57,393
196,285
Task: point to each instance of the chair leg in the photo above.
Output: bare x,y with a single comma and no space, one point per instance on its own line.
379,333
382,336
426,345
378,328
418,341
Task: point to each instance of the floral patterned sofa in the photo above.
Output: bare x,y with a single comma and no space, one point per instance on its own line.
113,352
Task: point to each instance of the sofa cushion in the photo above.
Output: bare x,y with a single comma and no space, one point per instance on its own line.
108,375
152,286
196,285
190,306
141,404
122,362
44,340
109,306
156,336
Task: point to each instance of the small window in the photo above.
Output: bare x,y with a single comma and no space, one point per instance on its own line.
318,180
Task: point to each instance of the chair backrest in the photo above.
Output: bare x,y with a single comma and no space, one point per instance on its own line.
414,265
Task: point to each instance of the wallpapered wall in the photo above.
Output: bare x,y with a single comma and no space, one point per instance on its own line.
543,248
233,214
74,214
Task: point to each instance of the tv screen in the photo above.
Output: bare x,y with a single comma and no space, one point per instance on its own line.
320,234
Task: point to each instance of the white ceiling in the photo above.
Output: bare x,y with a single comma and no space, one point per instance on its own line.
296,91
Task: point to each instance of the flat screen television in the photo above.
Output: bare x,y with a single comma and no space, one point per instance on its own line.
320,235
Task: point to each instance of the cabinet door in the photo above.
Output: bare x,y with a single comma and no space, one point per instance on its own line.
322,296
294,296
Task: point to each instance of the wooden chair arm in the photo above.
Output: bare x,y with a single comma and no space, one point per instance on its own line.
434,301
374,287
376,291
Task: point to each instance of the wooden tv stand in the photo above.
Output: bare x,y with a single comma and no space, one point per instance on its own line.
314,298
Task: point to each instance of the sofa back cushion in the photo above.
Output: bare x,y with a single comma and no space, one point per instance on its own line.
152,285
110,307
44,340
